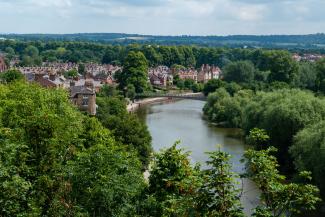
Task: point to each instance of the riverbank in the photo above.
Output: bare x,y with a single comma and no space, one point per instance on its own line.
132,107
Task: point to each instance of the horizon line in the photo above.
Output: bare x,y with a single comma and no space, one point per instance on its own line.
157,35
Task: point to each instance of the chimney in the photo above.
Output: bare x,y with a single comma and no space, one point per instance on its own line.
89,83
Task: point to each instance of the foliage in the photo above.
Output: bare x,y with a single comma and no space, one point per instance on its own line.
31,56
281,65
81,69
173,182
109,56
278,197
258,138
108,91
39,132
11,75
197,87
135,69
218,195
309,152
306,77
320,70
211,86
223,109
239,72
232,88
282,114
105,180
73,73
126,128
130,92
54,161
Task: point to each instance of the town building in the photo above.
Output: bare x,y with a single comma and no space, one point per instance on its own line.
3,65
84,97
49,80
208,72
184,74
307,57
160,76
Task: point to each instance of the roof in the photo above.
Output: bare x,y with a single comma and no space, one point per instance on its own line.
75,90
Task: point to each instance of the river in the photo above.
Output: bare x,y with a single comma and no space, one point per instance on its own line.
182,120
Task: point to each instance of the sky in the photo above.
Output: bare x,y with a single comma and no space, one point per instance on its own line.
163,17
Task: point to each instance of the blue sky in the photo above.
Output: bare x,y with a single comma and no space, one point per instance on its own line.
163,17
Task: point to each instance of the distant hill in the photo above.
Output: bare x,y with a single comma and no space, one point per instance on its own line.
270,41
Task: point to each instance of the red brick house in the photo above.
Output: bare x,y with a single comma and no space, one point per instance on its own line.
84,97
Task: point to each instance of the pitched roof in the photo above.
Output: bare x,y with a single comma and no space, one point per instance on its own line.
75,90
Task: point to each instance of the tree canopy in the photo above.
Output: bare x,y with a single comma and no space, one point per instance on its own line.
135,72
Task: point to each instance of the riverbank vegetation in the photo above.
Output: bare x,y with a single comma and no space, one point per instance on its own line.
281,98
291,119
57,161
284,114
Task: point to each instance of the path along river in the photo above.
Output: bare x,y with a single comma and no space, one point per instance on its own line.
182,120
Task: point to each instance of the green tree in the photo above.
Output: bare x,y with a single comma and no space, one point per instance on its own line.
130,92
11,75
173,182
258,138
189,83
280,64
211,86
31,56
278,197
218,195
232,88
73,73
10,53
225,110
197,87
240,72
275,111
320,67
135,72
105,181
309,153
126,128
109,56
81,69
153,57
39,131
108,91
306,76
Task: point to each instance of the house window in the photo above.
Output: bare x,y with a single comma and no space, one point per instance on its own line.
85,100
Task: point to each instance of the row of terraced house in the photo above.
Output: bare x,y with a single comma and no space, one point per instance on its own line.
163,75
82,88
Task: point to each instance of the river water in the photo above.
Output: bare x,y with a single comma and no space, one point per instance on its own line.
182,120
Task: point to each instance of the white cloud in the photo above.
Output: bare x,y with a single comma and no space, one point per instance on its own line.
194,17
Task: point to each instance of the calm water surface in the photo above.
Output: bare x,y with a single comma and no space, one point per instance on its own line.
182,120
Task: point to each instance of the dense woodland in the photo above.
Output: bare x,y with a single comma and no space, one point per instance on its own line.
312,41
57,161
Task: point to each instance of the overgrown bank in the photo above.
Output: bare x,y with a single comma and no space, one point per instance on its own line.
292,118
